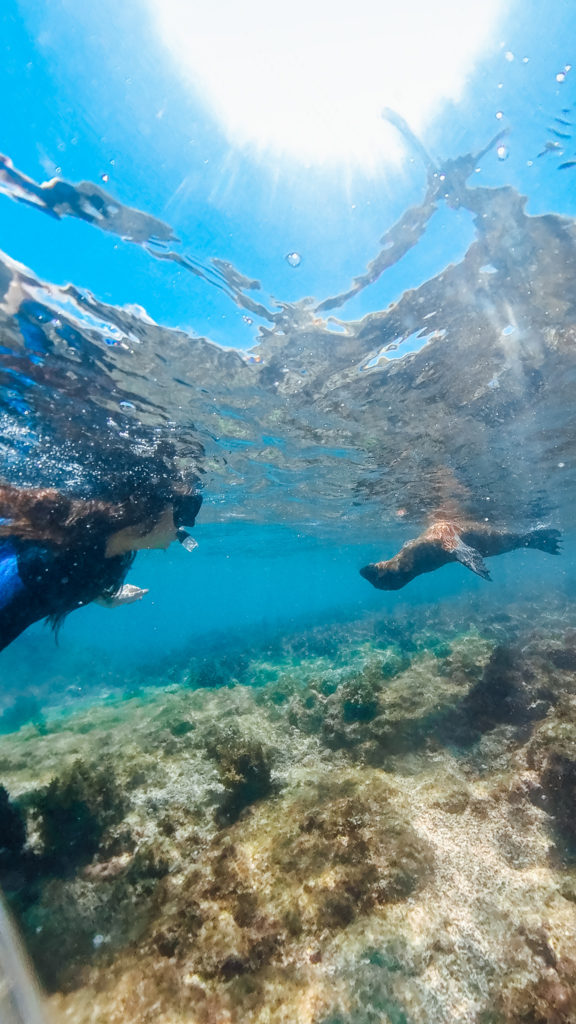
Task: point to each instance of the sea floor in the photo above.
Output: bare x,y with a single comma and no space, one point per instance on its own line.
370,825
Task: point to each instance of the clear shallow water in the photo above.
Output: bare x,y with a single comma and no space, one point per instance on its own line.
269,792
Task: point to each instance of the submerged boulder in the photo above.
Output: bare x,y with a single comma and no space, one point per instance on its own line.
347,852
552,754
74,812
547,997
244,768
509,692
376,717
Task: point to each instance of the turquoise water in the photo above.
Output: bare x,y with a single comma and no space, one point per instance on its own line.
269,792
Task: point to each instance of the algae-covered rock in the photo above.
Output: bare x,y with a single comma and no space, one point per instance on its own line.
394,877
12,829
347,852
552,754
75,810
558,781
244,768
376,718
359,699
454,799
227,950
381,990
76,921
278,885
508,692
547,997
392,662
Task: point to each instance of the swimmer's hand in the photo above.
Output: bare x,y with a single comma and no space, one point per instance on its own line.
127,594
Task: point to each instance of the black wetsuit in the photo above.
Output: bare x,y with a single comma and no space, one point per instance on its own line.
39,581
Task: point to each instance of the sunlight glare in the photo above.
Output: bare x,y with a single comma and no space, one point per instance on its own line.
309,78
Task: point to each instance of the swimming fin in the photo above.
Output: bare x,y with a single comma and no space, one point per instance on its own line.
544,539
472,559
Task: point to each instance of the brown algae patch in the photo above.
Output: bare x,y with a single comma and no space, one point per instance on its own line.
354,844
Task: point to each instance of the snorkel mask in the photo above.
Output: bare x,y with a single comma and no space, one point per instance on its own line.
186,508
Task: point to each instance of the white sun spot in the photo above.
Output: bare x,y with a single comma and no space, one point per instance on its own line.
309,78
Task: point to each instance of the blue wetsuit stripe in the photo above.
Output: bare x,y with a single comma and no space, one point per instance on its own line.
16,608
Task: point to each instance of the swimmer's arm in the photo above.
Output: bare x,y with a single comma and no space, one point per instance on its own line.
126,595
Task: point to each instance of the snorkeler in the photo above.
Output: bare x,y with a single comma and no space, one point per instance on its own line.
59,552
444,542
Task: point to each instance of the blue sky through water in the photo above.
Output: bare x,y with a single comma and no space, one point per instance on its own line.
90,92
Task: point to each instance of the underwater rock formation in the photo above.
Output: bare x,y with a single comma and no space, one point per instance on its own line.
392,705
12,830
546,997
74,812
244,769
331,851
510,692
552,754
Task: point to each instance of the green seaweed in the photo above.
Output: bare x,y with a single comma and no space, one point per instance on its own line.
359,699
244,768
75,810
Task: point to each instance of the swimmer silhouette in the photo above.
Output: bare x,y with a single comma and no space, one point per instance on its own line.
445,542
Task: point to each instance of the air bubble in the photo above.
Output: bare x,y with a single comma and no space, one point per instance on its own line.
105,178
293,258
509,56
499,115
502,152
561,76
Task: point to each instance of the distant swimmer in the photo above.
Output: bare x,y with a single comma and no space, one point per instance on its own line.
445,542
